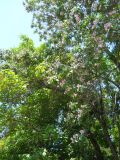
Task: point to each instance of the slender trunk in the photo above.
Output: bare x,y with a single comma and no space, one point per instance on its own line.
118,125
118,122
103,121
100,115
96,146
108,139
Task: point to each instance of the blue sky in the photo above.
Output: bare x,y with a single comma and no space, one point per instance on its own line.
14,21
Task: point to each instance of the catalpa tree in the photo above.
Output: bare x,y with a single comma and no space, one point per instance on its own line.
65,94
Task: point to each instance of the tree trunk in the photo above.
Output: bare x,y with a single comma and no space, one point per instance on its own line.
103,121
96,146
108,139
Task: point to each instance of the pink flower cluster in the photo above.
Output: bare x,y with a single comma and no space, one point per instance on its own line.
112,12
62,82
107,26
75,138
74,95
82,132
99,41
68,89
94,23
78,87
77,17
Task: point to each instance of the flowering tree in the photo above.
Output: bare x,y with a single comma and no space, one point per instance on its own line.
69,88
89,30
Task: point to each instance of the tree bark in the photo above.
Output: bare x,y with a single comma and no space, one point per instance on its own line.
108,139
101,116
96,146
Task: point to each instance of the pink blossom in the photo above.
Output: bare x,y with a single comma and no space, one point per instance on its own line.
94,23
107,26
77,17
61,13
88,83
78,86
99,41
62,82
82,132
79,113
67,90
75,138
111,13
100,45
94,34
74,95
97,49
